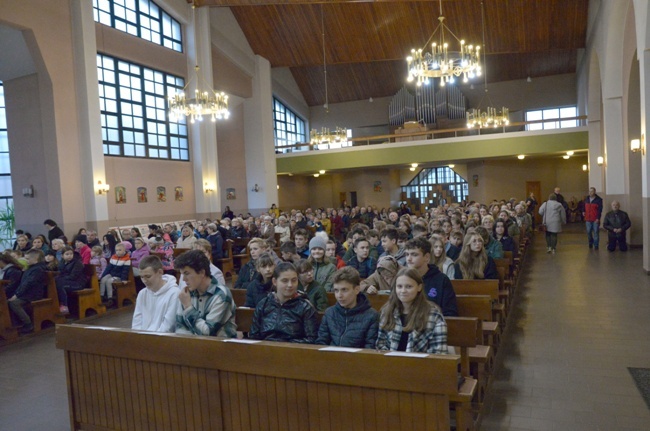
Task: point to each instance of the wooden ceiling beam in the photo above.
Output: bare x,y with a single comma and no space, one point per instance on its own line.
234,3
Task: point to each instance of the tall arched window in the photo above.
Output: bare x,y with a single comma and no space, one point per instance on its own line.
432,185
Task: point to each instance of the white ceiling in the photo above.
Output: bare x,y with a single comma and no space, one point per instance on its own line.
15,60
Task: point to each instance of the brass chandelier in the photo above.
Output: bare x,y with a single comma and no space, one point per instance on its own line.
490,117
441,62
209,103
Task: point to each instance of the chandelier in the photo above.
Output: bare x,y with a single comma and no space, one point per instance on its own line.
209,103
442,63
490,117
325,136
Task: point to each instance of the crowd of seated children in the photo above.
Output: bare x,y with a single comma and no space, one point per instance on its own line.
261,284
308,284
71,277
362,261
286,315
408,322
351,322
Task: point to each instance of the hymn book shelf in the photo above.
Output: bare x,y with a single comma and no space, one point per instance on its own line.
121,379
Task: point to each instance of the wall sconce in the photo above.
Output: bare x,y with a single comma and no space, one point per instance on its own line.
28,192
451,166
102,188
636,145
584,168
256,188
521,157
566,157
316,175
207,187
600,160
322,171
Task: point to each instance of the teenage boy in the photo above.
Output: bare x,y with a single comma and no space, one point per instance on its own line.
418,230
301,238
351,322
204,307
375,244
155,309
454,245
352,237
389,243
288,252
437,285
330,253
315,291
362,261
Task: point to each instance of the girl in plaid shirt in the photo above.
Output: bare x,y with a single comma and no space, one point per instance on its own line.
408,322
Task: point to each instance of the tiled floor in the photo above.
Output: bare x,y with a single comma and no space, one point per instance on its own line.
580,319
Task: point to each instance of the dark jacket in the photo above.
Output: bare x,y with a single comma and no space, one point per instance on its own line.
316,294
33,285
294,321
438,289
71,274
365,268
593,209
617,220
489,273
257,290
507,244
216,241
453,252
247,273
356,327
13,274
54,233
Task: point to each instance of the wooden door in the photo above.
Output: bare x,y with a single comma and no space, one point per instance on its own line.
342,199
535,187
353,199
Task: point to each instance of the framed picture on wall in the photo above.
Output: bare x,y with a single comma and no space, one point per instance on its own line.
231,194
161,192
475,180
142,195
120,195
178,194
377,186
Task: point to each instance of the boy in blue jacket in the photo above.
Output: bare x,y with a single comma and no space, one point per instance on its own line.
117,270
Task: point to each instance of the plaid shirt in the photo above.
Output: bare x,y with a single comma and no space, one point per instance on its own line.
432,340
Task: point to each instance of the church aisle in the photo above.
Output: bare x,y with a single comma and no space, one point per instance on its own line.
580,319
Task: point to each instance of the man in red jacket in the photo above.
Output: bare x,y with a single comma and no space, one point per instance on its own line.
592,214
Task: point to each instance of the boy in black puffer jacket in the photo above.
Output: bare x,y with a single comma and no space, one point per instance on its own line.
352,322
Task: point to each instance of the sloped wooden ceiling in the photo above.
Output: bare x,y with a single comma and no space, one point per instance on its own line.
366,43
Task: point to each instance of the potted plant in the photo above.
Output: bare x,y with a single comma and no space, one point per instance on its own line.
7,226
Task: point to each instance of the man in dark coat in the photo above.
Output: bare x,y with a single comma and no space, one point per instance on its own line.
616,224
33,286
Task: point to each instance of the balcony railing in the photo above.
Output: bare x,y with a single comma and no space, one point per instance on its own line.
432,134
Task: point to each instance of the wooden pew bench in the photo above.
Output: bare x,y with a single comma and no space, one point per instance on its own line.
484,287
46,310
124,291
7,330
83,301
226,264
157,382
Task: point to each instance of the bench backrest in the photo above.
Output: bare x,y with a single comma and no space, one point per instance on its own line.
479,306
477,287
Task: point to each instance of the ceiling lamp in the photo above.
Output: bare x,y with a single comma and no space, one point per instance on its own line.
521,157
566,157
324,136
442,63
206,102
570,153
490,117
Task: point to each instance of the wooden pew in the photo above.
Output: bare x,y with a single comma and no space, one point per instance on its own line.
7,330
376,301
124,291
46,309
240,259
88,299
179,251
226,264
239,296
153,382
484,287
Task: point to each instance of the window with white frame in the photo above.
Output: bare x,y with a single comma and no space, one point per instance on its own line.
431,185
133,104
6,194
140,18
288,127
552,118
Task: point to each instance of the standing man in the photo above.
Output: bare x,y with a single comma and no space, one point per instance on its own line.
592,214
205,307
54,231
616,224
531,204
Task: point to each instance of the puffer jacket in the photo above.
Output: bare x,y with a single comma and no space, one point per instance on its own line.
246,274
71,274
382,280
13,275
257,290
356,327
33,285
293,322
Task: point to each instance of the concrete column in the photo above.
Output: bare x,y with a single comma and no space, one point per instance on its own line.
596,173
92,167
615,151
258,141
644,64
203,133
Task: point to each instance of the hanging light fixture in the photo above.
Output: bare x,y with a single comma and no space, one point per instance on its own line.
490,117
325,136
204,102
441,62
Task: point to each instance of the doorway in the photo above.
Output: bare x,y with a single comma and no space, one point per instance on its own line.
353,199
342,198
